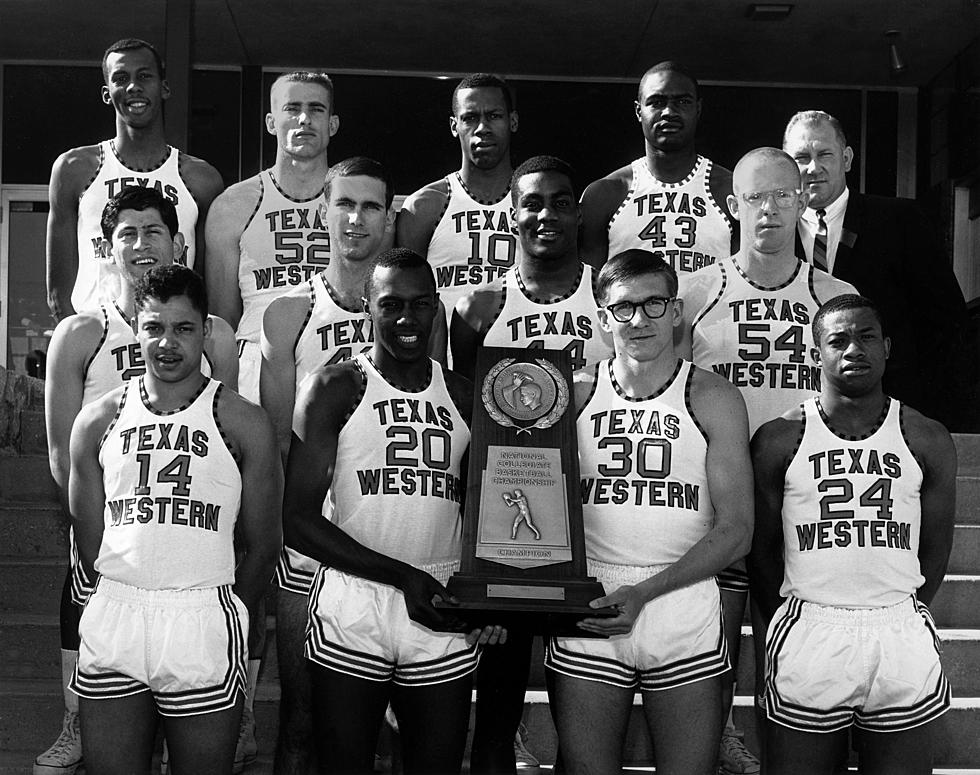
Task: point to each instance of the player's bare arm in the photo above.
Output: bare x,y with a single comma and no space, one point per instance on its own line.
933,448
719,408
772,450
439,337
73,343
472,318
600,200
695,290
277,375
419,216
71,172
227,218
826,287
324,402
86,490
205,183
222,351
252,441
720,186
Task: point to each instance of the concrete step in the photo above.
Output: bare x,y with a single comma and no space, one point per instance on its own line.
965,555
26,478
31,585
967,453
29,529
968,500
955,604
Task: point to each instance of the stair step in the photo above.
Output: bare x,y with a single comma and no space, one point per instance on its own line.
955,604
33,530
968,453
27,478
965,556
31,584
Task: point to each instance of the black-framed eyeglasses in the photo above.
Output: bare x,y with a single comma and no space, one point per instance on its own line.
653,308
783,197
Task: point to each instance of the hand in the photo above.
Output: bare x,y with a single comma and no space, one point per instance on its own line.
491,635
420,590
627,600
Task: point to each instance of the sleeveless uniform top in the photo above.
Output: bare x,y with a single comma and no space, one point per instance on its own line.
172,492
284,244
760,338
117,357
851,515
396,486
682,220
94,259
642,463
473,243
331,333
570,323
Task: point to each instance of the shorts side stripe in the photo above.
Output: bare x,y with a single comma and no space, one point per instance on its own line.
708,664
448,668
105,686
589,668
900,719
291,577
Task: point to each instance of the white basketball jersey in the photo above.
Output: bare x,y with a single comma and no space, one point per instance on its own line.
642,463
570,323
681,220
94,257
172,492
851,515
474,242
331,332
759,338
117,357
396,486
284,244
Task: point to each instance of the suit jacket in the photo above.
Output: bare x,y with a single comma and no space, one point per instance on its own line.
890,253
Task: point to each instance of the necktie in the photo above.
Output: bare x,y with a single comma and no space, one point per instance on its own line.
820,242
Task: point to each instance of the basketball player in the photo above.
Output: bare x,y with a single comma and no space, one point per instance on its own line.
667,503
748,318
266,234
545,300
671,200
79,275
462,223
385,434
855,496
91,354
163,469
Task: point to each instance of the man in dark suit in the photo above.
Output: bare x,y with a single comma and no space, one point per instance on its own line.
889,251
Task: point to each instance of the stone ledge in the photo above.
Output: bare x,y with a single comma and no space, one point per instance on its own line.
21,414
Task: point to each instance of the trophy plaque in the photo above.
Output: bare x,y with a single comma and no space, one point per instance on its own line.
523,560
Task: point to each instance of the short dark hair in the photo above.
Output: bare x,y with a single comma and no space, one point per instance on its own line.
308,76
398,258
815,117
633,263
842,303
165,282
132,44
668,66
138,198
361,165
484,81
541,164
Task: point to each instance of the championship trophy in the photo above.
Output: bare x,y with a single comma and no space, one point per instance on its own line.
523,560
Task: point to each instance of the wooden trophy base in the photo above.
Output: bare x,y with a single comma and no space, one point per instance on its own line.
544,607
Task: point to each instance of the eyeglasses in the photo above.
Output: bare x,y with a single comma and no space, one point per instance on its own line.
653,308
783,197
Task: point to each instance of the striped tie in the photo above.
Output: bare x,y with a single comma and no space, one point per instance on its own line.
820,242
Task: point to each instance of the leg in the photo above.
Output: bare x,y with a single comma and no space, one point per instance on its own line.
501,682
591,720
898,753
205,743
432,722
733,612
347,714
294,748
790,752
119,734
691,747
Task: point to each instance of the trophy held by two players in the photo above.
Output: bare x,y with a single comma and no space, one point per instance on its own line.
523,561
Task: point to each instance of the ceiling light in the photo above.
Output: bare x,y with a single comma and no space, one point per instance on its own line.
895,62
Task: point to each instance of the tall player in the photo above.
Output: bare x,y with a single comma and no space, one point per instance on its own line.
84,179
266,234
322,322
855,497
163,471
545,300
671,200
462,222
748,318
91,354
385,435
646,418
